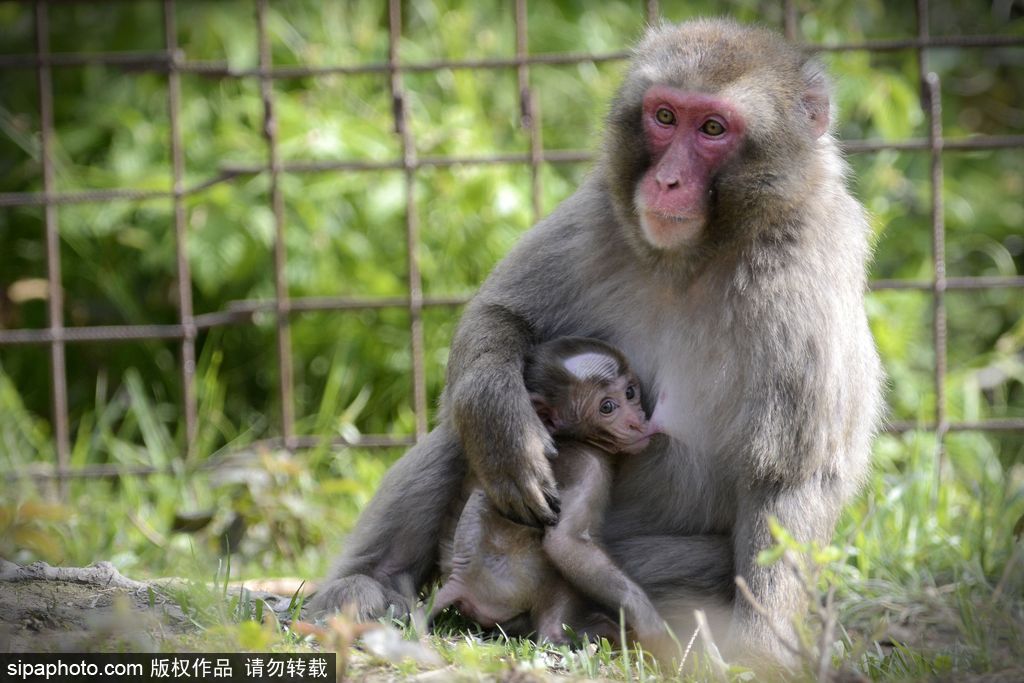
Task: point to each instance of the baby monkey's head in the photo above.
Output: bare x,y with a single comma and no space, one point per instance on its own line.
584,389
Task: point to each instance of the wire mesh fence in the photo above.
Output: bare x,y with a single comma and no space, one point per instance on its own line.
174,63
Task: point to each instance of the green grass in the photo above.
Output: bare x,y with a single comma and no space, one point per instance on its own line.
924,584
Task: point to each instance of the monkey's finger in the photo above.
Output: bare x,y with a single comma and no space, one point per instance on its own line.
552,499
538,517
554,503
523,515
541,496
527,506
510,504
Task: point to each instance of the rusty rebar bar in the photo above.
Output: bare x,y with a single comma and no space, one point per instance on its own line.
529,105
158,61
790,21
550,156
184,271
931,99
412,228
221,460
281,296
55,294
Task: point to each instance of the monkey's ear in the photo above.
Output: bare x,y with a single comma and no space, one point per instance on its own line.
815,100
545,411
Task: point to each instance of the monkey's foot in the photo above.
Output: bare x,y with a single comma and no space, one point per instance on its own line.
361,596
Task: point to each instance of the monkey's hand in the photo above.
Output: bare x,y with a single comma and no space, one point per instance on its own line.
523,489
506,445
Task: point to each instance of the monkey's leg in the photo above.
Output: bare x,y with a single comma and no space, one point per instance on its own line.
681,574
446,596
594,573
666,566
559,605
597,625
564,606
393,548
808,512
589,569
466,551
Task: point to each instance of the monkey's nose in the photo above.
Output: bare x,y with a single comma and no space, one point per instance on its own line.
667,184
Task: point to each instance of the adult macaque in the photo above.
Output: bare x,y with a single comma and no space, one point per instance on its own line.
589,401
716,244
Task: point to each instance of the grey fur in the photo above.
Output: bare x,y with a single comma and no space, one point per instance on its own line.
758,332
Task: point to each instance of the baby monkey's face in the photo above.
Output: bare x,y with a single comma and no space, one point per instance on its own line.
612,417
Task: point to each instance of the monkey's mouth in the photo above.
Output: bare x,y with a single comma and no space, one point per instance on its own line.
639,445
666,231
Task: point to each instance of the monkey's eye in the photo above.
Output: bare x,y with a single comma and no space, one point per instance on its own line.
665,116
608,406
712,128
630,392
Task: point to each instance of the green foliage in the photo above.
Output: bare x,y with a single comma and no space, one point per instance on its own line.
923,546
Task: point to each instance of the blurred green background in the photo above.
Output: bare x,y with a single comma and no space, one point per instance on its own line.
287,513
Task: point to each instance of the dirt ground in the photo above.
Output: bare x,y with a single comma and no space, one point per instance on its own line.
97,609
83,609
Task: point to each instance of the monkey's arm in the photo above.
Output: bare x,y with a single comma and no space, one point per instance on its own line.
504,441
533,295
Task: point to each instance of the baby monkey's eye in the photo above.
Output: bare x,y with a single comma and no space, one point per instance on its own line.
630,392
608,406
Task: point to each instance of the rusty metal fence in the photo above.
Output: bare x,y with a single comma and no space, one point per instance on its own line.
172,62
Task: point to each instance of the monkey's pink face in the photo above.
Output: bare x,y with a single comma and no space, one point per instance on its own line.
689,135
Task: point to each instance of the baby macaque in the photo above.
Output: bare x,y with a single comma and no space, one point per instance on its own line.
589,399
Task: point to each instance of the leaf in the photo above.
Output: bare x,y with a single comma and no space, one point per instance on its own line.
780,534
191,522
38,510
770,556
826,555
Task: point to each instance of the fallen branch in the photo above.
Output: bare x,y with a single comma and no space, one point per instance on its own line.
102,574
